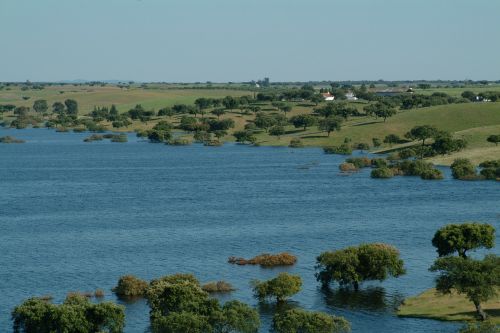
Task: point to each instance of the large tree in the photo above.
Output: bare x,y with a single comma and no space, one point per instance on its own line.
494,139
355,264
422,133
463,237
281,287
71,107
303,120
40,105
477,279
301,321
330,124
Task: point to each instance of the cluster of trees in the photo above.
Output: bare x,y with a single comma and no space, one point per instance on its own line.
443,143
76,314
487,95
178,304
463,169
477,279
421,101
380,109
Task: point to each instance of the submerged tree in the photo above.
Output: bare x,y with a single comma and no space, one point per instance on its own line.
353,265
76,314
301,321
281,287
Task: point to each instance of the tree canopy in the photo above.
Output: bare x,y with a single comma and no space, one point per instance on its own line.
281,287
463,237
355,264
77,314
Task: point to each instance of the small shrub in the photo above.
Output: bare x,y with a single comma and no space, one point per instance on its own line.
296,143
348,167
62,130
119,138
491,173
217,287
378,162
99,293
431,174
179,142
93,137
343,149
213,143
383,172
362,146
10,139
130,286
407,153
463,169
266,260
359,162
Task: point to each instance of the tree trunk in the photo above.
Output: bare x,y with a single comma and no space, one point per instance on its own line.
480,311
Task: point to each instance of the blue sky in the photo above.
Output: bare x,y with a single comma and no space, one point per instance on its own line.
238,40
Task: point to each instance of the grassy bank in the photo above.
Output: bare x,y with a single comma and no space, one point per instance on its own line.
452,307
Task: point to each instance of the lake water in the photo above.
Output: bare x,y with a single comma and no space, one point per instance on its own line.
77,216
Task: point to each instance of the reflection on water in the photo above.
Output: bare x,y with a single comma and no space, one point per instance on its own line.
368,298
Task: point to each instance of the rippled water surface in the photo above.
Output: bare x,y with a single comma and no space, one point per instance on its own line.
77,216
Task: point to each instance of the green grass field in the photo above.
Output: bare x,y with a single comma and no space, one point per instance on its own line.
472,121
124,99
452,307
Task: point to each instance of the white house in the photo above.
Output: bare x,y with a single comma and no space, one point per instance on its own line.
328,97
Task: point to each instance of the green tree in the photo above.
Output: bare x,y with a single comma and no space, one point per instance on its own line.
71,107
218,112
130,286
301,321
238,317
353,265
40,106
330,124
422,133
286,108
281,287
264,121
477,279
277,130
244,136
470,95
166,112
463,237
77,314
303,120
391,139
317,98
230,102
58,108
462,168
494,139
178,304
445,144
